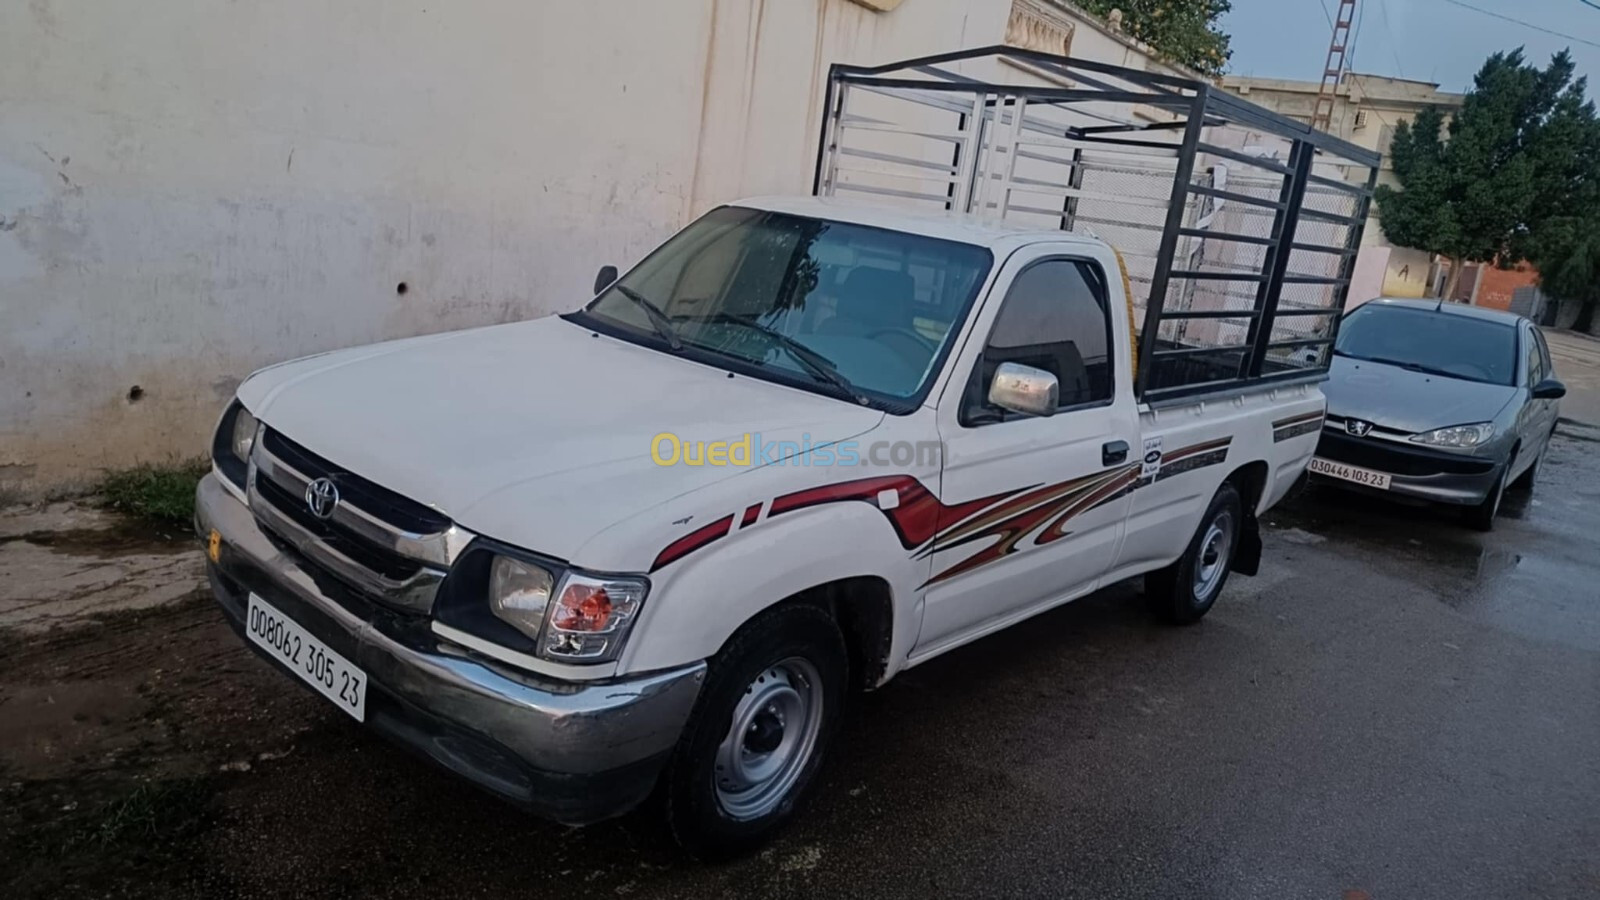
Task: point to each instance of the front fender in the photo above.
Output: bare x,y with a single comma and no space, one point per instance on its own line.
698,602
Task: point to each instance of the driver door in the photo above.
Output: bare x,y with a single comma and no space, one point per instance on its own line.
1048,495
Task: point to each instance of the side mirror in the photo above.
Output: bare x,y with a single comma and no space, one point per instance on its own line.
1549,389
1024,389
606,277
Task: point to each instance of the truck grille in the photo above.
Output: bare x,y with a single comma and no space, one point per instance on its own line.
385,545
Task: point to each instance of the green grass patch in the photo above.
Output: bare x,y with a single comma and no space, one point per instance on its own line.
156,491
153,813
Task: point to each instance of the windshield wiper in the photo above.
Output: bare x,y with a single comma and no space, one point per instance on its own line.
813,362
658,319
1412,367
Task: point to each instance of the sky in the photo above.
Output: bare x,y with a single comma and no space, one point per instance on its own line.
1430,40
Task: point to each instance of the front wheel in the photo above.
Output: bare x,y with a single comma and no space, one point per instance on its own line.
756,738
1482,516
1184,592
1524,482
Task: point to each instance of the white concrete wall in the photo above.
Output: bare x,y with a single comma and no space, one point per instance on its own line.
189,190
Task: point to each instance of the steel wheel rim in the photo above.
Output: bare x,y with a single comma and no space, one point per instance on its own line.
770,739
1216,548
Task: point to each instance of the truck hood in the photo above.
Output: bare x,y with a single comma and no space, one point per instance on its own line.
535,433
1409,401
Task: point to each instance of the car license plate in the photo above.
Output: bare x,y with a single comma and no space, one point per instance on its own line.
1366,477
315,662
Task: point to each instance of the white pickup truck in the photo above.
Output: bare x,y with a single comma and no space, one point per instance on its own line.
804,445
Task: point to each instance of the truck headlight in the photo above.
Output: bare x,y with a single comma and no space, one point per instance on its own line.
1457,436
591,616
580,618
243,436
519,594
231,445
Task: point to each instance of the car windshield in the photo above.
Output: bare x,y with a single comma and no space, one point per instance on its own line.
1440,343
858,312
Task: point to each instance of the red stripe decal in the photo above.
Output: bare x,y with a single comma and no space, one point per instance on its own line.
1058,528
1065,499
693,541
750,514
915,520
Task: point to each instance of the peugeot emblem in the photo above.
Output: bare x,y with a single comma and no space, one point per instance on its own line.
322,495
1357,427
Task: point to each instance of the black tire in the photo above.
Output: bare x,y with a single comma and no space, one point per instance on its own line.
1174,594
1524,482
694,805
1481,517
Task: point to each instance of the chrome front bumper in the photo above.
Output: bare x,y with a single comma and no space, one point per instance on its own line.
571,751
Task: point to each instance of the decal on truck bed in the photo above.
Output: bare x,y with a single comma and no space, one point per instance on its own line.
1294,426
1007,517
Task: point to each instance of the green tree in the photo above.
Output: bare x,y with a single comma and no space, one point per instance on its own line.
1564,244
1472,191
1569,263
1186,31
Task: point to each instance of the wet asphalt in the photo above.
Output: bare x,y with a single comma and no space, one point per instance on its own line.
1396,707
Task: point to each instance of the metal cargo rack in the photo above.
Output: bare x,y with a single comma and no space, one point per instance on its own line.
1238,227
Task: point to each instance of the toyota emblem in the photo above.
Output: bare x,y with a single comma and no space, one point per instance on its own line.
322,495
1353,426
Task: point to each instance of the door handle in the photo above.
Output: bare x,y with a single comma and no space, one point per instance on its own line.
1113,452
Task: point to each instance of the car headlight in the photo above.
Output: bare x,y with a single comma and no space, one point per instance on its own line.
519,594
243,435
1458,436
583,619
230,446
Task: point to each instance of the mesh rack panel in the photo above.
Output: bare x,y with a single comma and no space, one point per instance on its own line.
1239,227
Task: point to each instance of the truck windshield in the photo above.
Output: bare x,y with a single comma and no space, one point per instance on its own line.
862,313
1441,343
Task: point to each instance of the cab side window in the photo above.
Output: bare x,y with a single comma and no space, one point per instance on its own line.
1544,352
1535,364
1054,318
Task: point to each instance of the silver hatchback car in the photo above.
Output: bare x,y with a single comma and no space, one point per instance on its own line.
1439,402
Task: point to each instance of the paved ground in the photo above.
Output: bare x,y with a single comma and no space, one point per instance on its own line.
1577,359
1396,708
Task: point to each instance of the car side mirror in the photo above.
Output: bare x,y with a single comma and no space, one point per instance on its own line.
1549,389
1024,389
606,278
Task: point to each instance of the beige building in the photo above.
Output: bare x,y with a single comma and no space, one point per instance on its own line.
1367,108
189,192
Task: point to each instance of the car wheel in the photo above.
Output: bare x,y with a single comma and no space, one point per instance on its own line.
1184,592
1524,482
1482,516
756,738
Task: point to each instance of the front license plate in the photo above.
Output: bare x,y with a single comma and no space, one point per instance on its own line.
1366,477
315,662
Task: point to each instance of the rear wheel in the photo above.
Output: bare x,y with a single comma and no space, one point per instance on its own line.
756,738
1184,592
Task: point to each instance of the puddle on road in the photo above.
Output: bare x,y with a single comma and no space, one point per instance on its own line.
1540,537
134,537
1409,540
